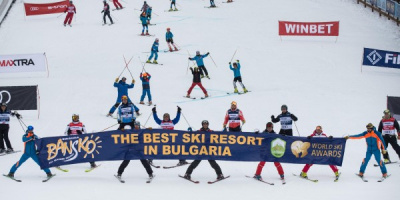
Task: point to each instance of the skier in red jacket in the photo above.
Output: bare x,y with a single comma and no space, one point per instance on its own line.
70,10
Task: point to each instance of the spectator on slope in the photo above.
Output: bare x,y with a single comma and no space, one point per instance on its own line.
374,141
234,116
199,61
122,90
71,10
143,19
388,126
257,175
286,119
237,76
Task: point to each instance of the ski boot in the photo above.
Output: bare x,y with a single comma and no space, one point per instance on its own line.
148,61
235,91
150,103
142,34
303,175
147,33
384,175
65,25
188,96
182,162
258,177
109,115
93,165
150,161
49,175
170,9
220,176
282,177
170,49
187,176
360,174
137,113
10,150
176,9
119,176
11,175
176,49
208,76
337,174
2,151
245,90
155,62
387,161
206,96
151,176
141,102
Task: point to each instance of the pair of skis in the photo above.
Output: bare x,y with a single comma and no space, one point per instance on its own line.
3,154
209,182
123,181
379,180
195,97
18,180
87,170
376,165
239,93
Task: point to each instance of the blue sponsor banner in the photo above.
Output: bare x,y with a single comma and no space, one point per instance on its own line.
382,4
381,58
398,10
174,145
390,7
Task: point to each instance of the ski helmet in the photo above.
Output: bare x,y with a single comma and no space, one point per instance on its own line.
123,79
168,28
318,128
75,117
386,111
124,97
234,103
284,106
157,40
30,129
370,125
197,52
4,104
166,115
70,2
270,124
144,74
204,122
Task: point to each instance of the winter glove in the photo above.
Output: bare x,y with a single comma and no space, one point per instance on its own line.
237,61
331,137
133,81
116,80
102,11
119,121
256,131
230,63
346,137
179,109
189,58
272,117
190,129
384,151
154,109
208,53
18,115
243,121
224,130
309,137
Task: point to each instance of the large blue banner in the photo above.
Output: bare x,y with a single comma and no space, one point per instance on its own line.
390,7
174,145
381,58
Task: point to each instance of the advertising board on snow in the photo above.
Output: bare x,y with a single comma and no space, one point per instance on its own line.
381,58
45,8
23,63
287,28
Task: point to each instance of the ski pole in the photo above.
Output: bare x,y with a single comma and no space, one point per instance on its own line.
60,15
185,119
126,64
140,60
233,55
296,128
21,125
188,64
213,61
108,127
149,117
114,17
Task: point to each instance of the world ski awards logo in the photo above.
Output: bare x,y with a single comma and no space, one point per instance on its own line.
72,147
278,147
299,148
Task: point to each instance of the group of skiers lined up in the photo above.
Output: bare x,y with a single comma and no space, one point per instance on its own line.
233,122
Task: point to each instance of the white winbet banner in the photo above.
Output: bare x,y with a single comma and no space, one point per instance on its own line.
23,63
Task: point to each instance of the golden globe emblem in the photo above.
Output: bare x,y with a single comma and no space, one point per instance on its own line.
299,148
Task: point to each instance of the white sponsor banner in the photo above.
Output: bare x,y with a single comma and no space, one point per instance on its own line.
23,63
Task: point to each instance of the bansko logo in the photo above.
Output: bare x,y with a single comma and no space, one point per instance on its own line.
34,8
16,62
278,147
71,147
374,57
299,148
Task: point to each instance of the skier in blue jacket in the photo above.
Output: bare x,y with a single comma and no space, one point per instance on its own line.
237,76
148,12
29,152
199,61
375,143
145,78
122,90
154,52
143,19
169,38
